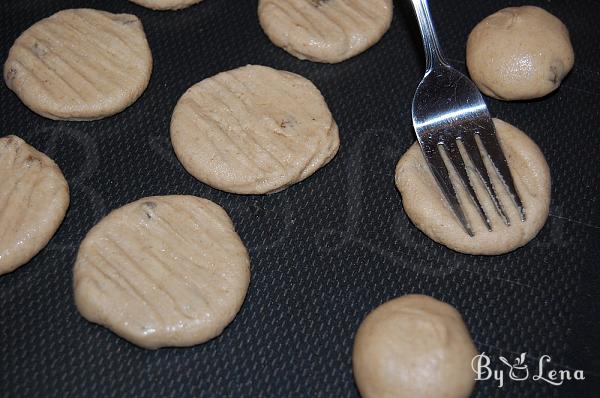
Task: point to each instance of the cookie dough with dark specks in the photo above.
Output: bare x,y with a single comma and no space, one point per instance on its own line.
519,53
253,130
163,271
326,31
80,64
34,197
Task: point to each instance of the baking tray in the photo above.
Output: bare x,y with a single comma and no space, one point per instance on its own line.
325,251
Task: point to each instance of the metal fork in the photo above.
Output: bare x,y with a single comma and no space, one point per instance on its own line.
448,108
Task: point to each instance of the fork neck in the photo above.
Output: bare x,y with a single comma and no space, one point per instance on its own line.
431,45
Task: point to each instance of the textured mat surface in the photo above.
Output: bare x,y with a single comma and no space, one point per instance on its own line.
324,252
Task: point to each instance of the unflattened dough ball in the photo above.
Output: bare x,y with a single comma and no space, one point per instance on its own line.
253,130
325,30
80,64
163,271
34,197
519,53
424,204
413,347
166,4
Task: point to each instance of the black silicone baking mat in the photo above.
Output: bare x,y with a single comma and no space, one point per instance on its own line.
326,251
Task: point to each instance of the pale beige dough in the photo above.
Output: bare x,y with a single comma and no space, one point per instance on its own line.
327,31
80,64
413,346
423,202
162,271
519,53
34,197
253,130
166,4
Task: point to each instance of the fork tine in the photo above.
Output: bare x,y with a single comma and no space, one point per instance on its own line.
472,150
439,171
495,154
458,163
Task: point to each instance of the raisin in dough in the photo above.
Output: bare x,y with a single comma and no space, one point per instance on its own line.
423,202
163,271
80,64
253,130
413,347
34,197
519,53
327,31
166,4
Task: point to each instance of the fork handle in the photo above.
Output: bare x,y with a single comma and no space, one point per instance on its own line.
431,45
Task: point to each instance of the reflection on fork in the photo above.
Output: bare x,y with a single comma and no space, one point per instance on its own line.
450,117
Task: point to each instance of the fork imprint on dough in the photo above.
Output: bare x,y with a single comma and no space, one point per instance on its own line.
253,130
325,30
429,211
80,64
163,271
34,197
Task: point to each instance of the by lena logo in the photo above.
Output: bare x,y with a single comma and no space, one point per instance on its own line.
519,371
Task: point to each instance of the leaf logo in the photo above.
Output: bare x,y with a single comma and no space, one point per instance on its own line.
519,370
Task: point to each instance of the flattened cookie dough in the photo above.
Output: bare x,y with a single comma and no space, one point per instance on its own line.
162,271
413,347
166,4
80,64
253,130
327,31
34,197
519,53
423,202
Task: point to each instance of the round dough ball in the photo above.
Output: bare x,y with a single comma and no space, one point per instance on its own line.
80,64
413,347
34,197
253,130
163,271
166,4
519,53
325,30
424,204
